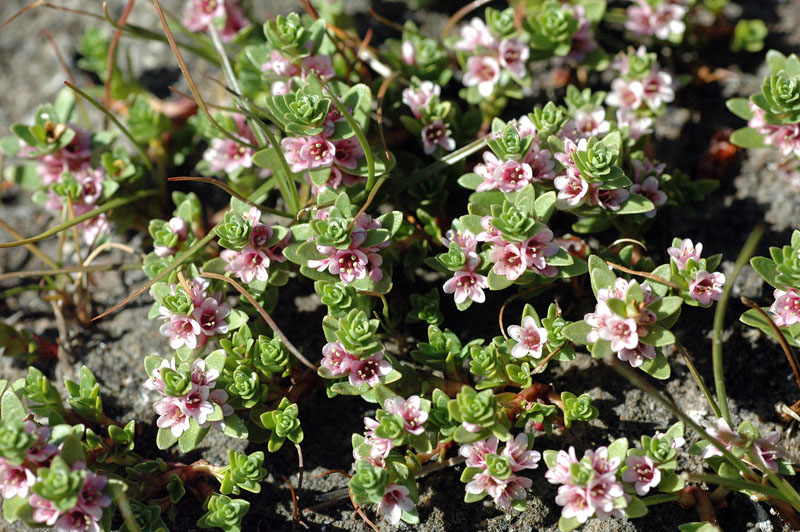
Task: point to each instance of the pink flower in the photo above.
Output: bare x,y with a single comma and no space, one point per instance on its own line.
248,264
417,98
369,370
643,472
335,359
210,315
768,451
514,55
518,454
349,264
561,472
483,71
575,502
484,482
649,189
395,501
486,170
636,357
91,499
687,251
475,453
43,510
640,19
320,66
348,152
410,410
530,338
40,451
15,481
626,94
638,126
77,520
514,490
621,332
303,153
786,308
181,330
198,15
171,415
437,133
197,404
227,155
591,122
610,200
541,163
572,189
467,285
600,494
668,20
473,35
537,249
408,54
281,65
707,287
379,447
724,435
785,138
657,89
508,260
512,176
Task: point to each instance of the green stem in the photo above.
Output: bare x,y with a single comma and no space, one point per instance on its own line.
698,379
360,136
737,484
661,498
283,175
113,204
145,159
447,160
719,320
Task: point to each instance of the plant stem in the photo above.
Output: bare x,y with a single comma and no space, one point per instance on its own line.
114,203
360,136
444,162
646,275
229,190
698,378
787,349
719,320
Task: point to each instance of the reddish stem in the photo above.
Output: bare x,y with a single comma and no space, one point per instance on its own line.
696,497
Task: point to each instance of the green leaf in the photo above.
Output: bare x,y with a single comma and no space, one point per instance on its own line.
577,332
670,482
216,360
636,204
666,306
740,107
567,524
754,319
165,439
544,206
747,138
469,181
768,270
236,319
600,274
635,508
11,408
498,282
657,367
618,449
699,527
658,337
192,437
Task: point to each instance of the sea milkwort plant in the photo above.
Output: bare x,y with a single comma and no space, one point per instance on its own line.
465,224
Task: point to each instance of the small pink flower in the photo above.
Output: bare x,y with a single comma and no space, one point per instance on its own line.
514,55
43,510
626,94
260,235
537,249
600,494
508,260
369,370
336,360
518,454
475,453
91,499
482,71
638,126
410,410
657,89
575,502
640,19
248,264
512,176
668,20
395,501
688,250
15,481
379,447
786,308
317,152
281,65
707,287
473,35
210,315
436,134
349,264
484,482
768,451
320,66
530,338
467,285
636,357
77,520
348,152
227,155
649,189
724,435
197,405
591,122
643,472
198,15
486,170
408,54
417,98
572,189
514,490
621,332
171,415
541,163
561,472
181,330
610,200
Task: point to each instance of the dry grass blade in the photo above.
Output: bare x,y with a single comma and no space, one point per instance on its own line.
22,11
361,513
381,93
59,57
112,52
190,81
229,190
71,269
264,315
461,13
385,21
646,275
30,247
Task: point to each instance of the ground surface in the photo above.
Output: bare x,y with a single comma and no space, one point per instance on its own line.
758,375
